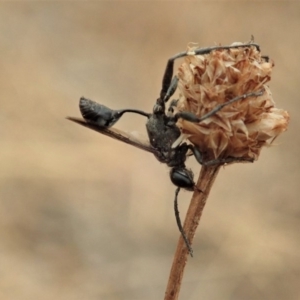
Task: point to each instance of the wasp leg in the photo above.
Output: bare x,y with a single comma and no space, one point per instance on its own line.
202,51
266,58
197,153
178,221
188,116
228,160
218,161
168,74
171,90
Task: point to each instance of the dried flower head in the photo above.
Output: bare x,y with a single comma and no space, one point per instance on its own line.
239,129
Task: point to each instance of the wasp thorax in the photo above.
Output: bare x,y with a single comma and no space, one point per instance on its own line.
239,129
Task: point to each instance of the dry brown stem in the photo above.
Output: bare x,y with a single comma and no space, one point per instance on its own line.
206,179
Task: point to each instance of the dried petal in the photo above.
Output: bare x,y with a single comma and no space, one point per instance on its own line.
239,129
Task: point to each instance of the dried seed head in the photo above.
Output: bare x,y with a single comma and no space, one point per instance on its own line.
239,129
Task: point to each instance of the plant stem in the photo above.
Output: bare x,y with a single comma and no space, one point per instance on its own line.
206,179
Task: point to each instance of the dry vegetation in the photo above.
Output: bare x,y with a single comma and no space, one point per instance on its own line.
84,217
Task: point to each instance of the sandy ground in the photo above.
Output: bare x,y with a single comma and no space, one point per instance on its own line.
86,217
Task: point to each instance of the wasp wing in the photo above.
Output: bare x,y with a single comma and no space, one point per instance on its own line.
117,134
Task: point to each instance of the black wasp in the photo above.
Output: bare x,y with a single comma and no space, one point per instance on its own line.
161,128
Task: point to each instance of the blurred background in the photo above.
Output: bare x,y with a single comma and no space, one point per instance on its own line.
83,216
